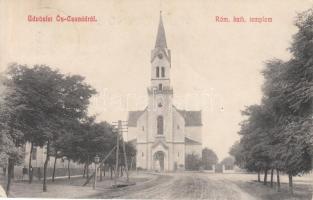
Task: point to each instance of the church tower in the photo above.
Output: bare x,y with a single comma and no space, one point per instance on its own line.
160,92
162,133
160,60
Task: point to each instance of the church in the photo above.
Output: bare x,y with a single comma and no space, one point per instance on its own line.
163,134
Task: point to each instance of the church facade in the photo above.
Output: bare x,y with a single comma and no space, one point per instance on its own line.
163,134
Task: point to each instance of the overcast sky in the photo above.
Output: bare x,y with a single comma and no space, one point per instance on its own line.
215,66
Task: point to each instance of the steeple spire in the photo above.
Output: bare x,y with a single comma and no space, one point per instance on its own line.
161,39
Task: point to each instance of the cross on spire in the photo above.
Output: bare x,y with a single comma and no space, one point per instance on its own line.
161,39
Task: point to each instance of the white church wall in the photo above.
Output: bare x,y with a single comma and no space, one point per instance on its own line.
179,155
142,128
142,156
178,127
165,111
132,133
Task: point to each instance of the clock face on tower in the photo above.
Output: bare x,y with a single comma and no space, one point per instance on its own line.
160,56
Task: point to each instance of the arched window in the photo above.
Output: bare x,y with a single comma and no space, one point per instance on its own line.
160,125
163,71
157,72
160,86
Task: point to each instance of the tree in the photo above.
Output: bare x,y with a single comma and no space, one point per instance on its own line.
237,152
228,162
53,102
192,162
256,139
11,138
209,158
282,137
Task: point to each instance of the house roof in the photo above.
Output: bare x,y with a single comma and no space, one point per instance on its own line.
190,141
192,118
133,117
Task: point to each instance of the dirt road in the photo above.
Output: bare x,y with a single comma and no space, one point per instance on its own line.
183,186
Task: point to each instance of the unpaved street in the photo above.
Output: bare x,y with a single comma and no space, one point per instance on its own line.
193,186
186,185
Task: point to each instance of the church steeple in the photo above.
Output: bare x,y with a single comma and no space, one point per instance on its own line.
161,39
161,63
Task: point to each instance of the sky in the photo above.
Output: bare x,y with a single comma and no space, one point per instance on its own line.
216,66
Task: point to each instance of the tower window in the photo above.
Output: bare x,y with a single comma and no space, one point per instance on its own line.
160,125
142,154
163,71
157,72
143,128
160,86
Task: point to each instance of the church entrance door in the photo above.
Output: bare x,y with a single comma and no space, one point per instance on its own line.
159,161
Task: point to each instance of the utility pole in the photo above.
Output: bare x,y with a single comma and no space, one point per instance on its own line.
119,128
125,158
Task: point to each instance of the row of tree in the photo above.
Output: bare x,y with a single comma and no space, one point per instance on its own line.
277,134
206,161
46,108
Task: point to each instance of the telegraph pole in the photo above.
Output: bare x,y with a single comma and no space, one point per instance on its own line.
119,128
125,158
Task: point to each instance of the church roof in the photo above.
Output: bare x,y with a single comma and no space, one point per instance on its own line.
161,39
192,118
133,117
190,141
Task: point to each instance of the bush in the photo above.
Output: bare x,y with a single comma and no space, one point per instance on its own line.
192,162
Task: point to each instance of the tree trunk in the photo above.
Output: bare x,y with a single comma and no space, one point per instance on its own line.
131,164
272,174
87,166
44,186
104,170
87,170
54,164
290,184
10,170
259,177
265,177
84,173
30,175
278,181
68,169
111,171
101,172
121,170
12,173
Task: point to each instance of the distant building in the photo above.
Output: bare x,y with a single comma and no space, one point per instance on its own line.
162,133
38,158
